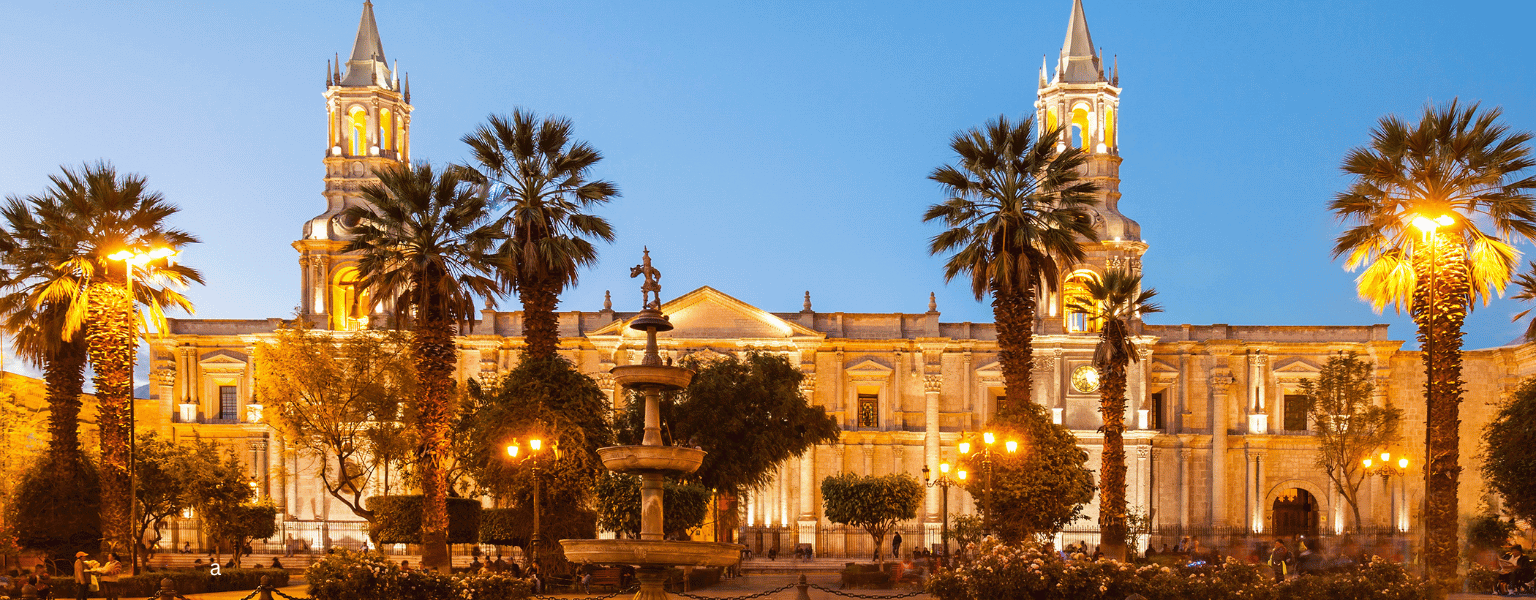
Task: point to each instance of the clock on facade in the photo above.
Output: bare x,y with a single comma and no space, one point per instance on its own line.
1085,379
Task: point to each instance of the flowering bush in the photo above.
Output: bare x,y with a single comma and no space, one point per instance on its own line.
347,575
1027,572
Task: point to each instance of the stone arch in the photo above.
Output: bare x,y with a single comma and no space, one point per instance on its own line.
1074,286
1318,492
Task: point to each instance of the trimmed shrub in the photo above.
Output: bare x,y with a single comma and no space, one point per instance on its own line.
499,526
58,507
397,520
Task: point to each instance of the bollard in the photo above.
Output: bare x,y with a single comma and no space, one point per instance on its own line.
265,588
27,591
802,594
167,589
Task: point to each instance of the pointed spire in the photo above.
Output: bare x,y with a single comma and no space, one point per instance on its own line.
1043,63
367,65
807,305
1079,63
407,88
329,74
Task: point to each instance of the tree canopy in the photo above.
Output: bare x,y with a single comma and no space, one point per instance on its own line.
1509,454
1350,426
618,506
872,503
1040,489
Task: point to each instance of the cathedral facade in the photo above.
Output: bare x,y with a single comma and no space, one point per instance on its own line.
1217,440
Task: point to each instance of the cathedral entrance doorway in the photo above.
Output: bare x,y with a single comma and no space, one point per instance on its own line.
1295,513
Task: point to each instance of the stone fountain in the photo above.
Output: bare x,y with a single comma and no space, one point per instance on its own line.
651,460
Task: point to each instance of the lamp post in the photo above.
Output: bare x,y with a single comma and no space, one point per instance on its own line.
987,439
1386,468
943,483
535,445
131,259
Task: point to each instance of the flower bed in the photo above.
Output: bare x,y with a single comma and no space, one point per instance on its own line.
347,575
195,581
1025,572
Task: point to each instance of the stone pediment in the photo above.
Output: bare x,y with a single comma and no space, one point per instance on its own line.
707,313
869,370
1161,371
222,357
1295,369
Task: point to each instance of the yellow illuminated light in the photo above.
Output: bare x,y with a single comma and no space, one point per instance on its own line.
1012,446
965,448
961,475
1402,463
987,437
535,444
1428,225
944,468
1386,457
512,451
1367,462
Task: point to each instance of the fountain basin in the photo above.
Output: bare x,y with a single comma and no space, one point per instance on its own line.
660,377
652,553
651,459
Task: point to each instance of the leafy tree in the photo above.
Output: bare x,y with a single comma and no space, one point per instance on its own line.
222,496
1350,427
1043,486
240,523
872,503
1459,175
1509,455
1116,301
1489,532
343,398
549,399
22,417
618,506
1017,212
166,473
78,224
57,506
747,413
541,178
422,240
965,530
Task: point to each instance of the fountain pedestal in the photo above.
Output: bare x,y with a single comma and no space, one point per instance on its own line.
651,460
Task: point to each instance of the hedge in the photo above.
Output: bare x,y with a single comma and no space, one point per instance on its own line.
397,520
199,581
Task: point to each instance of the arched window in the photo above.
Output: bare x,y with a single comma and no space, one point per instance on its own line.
1074,293
1109,127
349,303
358,126
1081,130
387,128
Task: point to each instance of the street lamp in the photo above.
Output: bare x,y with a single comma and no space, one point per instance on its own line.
987,439
943,483
1387,468
131,259
535,445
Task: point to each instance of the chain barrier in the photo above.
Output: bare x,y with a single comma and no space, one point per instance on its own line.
629,590
913,593
757,595
254,593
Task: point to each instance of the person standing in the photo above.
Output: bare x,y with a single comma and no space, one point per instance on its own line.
896,545
108,574
82,582
1279,560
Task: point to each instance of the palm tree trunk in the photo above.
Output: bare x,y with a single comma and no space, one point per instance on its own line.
111,345
541,328
64,374
436,356
1112,522
1015,317
1439,308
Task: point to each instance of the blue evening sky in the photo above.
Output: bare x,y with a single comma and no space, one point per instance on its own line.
769,148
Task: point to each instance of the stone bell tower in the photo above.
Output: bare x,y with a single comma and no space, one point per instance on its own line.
368,127
1081,98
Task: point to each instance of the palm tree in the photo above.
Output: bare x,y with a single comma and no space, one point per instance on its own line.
82,219
1116,301
1433,210
423,243
539,176
1017,211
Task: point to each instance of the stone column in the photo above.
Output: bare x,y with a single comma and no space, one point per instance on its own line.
1183,456
1221,383
807,520
869,457
932,384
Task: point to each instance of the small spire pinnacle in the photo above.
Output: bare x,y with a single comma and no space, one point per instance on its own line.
807,306
1043,64
607,300
407,88
933,303
328,73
